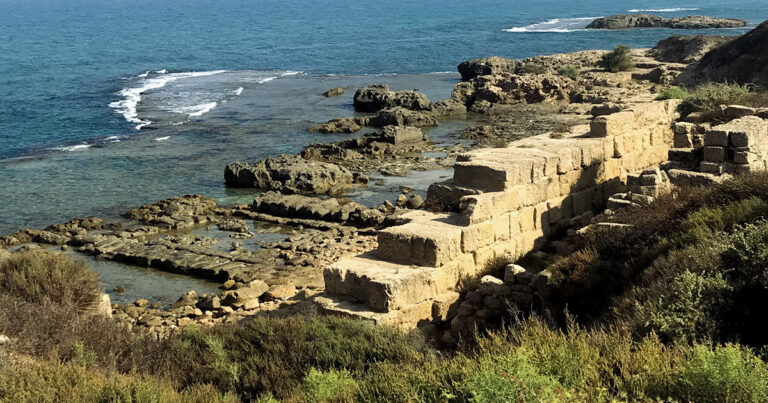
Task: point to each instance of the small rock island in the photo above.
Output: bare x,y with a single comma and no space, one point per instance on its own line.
628,21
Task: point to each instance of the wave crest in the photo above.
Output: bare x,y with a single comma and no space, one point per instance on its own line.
555,25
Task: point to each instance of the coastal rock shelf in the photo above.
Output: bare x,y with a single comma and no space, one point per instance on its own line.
626,21
526,191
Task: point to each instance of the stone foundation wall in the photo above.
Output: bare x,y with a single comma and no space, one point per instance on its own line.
524,193
738,146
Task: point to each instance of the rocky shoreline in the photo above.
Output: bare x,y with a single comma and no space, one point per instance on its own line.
502,99
628,21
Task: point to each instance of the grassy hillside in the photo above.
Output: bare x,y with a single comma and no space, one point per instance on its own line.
668,309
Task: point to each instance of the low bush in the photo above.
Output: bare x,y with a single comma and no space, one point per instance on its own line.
620,59
721,374
708,97
328,386
673,93
51,381
38,276
569,71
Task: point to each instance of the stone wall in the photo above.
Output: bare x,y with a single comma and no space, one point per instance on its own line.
507,201
738,146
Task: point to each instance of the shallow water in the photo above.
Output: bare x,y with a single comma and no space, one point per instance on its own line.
211,82
213,79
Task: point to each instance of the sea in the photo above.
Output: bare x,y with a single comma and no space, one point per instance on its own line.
110,104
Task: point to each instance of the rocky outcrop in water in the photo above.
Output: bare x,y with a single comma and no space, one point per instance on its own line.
377,97
687,49
470,69
291,174
627,21
743,60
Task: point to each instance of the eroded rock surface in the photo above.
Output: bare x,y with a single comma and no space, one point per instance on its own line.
626,21
290,174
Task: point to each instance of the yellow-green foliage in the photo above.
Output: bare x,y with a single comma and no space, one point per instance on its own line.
620,59
673,93
708,97
50,381
38,276
328,386
569,71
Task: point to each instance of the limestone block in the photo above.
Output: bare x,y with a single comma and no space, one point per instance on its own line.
527,219
711,167
445,306
541,216
382,286
536,193
477,236
716,137
475,209
714,153
511,271
683,140
514,223
612,125
501,228
485,176
429,243
505,248
744,157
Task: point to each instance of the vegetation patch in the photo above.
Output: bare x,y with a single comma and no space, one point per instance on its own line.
620,59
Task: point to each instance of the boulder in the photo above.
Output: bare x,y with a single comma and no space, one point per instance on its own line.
342,125
489,65
377,97
399,116
240,296
290,174
333,92
280,291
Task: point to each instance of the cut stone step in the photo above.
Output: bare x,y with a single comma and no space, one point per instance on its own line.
407,318
385,286
430,243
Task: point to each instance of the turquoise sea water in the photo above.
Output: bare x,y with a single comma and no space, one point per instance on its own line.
213,81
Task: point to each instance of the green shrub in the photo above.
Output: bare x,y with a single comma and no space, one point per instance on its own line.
328,386
39,276
683,314
51,381
569,71
708,97
510,377
723,374
620,59
673,93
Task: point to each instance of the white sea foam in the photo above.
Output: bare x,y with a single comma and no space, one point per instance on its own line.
132,96
238,91
72,148
162,138
555,25
661,10
197,110
266,80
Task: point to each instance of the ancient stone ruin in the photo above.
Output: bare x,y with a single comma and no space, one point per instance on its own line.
500,201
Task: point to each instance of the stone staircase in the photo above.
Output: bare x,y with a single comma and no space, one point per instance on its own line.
506,201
